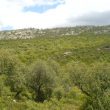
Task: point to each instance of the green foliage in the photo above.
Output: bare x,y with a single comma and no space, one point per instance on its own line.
17,83
58,93
69,72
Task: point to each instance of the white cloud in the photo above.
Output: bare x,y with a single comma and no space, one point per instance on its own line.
12,14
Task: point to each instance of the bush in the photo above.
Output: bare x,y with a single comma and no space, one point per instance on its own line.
95,84
13,70
8,62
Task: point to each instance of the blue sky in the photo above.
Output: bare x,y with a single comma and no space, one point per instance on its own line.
7,28
18,14
40,8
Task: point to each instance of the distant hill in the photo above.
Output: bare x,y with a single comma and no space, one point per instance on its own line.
54,32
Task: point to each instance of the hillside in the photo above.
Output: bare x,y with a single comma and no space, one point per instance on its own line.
55,69
55,32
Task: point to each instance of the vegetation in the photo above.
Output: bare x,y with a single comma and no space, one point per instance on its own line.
55,73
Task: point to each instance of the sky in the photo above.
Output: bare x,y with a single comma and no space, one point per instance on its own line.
18,14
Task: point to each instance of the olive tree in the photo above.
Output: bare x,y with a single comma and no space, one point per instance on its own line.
41,80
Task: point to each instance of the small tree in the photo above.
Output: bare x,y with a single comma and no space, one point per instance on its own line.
41,80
